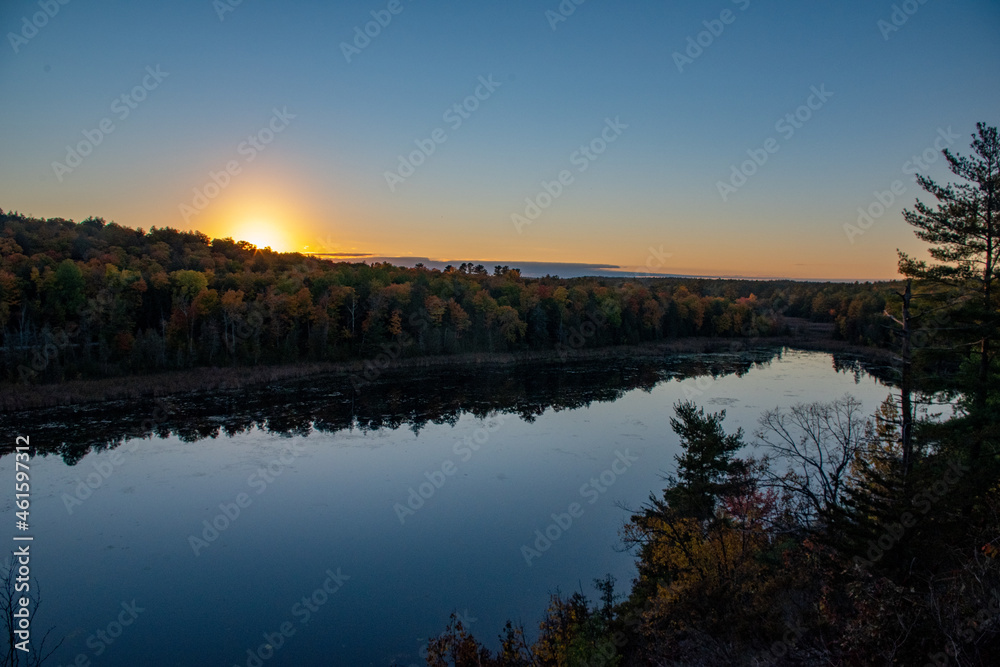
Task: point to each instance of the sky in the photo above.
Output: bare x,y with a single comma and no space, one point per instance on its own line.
724,137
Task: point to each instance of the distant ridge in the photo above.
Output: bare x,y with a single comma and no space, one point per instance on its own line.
560,269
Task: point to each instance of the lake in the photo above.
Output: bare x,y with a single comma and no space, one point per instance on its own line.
192,531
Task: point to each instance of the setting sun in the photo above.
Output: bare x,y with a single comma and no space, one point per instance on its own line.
263,234
697,302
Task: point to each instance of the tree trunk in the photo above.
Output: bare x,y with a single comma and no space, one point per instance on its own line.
982,391
906,389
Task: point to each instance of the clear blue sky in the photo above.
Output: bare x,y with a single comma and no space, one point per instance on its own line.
322,181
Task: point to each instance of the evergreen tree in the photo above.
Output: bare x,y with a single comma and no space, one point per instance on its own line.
706,469
964,231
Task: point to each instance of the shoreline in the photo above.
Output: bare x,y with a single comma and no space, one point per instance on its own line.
21,398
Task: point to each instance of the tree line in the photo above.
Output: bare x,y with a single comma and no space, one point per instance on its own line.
98,299
838,538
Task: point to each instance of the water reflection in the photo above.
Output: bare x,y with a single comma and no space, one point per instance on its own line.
330,403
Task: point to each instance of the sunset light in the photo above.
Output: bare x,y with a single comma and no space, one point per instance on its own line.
500,334
263,233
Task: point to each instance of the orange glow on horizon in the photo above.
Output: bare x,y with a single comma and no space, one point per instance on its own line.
263,208
262,233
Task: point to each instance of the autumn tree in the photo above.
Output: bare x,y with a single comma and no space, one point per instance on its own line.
710,561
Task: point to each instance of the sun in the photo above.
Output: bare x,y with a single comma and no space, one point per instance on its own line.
263,234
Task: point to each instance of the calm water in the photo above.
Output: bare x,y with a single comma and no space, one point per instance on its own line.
323,474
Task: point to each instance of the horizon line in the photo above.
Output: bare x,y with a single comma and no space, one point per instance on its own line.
605,270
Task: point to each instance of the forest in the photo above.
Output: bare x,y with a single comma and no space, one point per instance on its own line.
827,536
96,299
